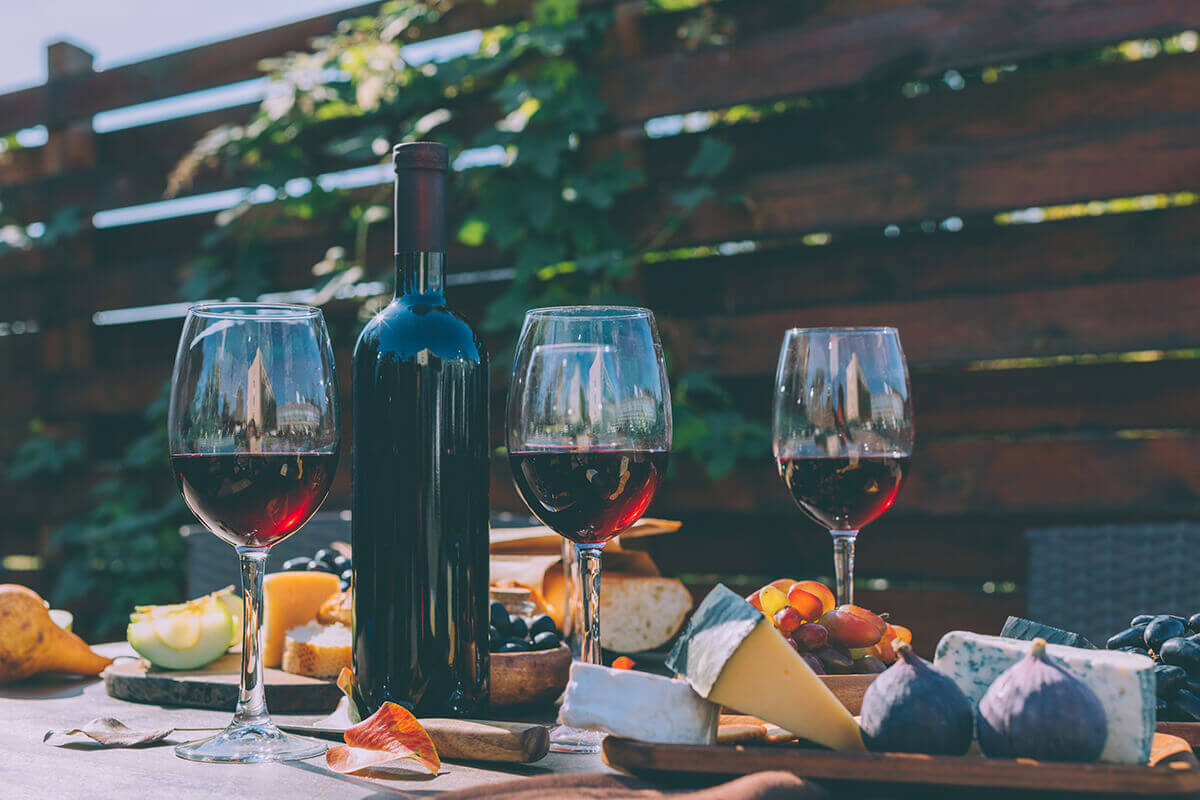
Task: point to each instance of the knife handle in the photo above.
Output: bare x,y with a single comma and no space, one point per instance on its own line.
476,740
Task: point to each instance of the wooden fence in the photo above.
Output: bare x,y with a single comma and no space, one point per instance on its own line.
1054,365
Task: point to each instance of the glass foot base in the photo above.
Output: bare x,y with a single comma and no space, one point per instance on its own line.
250,744
564,739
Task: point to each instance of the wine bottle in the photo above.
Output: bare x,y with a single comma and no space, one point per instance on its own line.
420,522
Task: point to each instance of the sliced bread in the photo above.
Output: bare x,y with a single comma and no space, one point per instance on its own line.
316,650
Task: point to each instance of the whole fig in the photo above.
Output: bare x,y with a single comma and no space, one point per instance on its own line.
913,707
1036,709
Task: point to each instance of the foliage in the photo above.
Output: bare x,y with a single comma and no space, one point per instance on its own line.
546,202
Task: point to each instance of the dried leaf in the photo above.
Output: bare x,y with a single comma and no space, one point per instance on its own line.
349,686
113,733
389,734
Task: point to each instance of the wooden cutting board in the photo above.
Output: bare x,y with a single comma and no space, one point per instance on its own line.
517,680
216,686
1173,768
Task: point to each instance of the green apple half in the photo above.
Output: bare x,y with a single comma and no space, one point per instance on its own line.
183,636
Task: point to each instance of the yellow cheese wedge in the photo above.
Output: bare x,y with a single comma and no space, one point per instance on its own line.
291,599
732,655
767,679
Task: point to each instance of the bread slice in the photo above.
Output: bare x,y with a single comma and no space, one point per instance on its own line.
338,608
316,650
641,613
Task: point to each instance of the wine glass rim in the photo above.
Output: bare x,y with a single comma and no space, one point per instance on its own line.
230,310
582,312
845,329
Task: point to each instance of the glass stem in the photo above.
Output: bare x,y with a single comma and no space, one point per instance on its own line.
843,564
252,699
589,579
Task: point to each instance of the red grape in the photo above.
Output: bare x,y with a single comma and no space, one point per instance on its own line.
834,660
787,619
806,603
854,626
814,663
810,636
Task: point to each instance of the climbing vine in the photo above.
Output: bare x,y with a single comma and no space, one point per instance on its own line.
536,184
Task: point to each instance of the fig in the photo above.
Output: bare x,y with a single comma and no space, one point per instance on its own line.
1036,709
913,707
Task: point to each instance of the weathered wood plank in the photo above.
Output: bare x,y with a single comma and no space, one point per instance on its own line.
1098,318
912,39
1050,475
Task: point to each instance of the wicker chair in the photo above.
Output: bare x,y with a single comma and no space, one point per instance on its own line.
1092,580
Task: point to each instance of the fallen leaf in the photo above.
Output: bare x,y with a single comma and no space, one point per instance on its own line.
389,734
348,683
113,733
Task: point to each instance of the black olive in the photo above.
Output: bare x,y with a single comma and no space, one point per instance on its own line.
1162,628
1168,678
296,564
1192,685
495,637
1182,653
326,555
1141,651
340,563
319,566
542,623
498,615
1194,623
517,628
1130,637
1184,706
1140,619
347,576
546,640
343,586
515,646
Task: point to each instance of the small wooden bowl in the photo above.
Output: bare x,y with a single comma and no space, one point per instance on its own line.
849,689
528,679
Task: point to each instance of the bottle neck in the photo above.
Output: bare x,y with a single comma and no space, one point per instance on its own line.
420,273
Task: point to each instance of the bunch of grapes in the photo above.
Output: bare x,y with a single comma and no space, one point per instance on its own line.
1174,644
832,639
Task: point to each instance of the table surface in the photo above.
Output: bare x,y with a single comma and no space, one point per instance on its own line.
29,768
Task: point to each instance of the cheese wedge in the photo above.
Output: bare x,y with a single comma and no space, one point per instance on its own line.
637,705
291,599
732,655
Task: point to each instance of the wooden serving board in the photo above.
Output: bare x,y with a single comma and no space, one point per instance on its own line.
215,686
1173,768
517,679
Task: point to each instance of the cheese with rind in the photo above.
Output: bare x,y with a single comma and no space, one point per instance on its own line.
637,705
1124,683
291,599
732,655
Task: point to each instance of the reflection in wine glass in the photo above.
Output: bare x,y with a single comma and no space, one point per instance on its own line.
843,431
589,430
253,470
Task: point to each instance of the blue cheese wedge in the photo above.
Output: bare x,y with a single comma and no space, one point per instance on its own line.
732,655
1124,683
637,705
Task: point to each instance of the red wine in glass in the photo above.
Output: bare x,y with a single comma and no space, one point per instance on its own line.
844,493
588,496
254,499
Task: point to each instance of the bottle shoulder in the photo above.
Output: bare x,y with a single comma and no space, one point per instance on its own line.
405,328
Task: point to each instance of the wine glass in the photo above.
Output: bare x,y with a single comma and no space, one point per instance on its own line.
589,430
253,436
843,431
